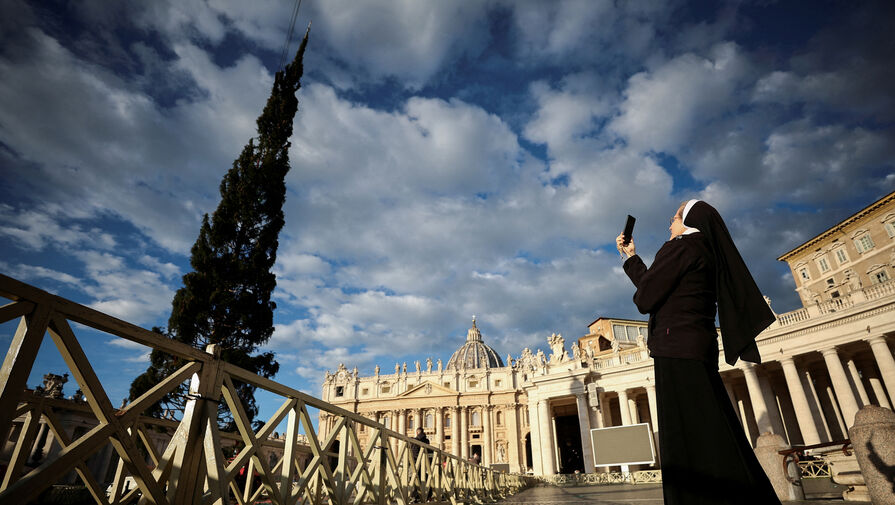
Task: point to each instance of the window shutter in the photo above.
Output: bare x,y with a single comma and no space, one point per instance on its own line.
858,246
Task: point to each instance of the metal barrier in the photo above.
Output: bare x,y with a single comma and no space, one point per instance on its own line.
192,468
600,478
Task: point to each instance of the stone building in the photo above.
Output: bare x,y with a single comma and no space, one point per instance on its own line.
821,363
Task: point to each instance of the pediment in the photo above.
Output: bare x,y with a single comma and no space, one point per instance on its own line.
426,389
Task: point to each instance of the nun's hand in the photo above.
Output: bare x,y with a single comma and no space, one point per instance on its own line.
628,250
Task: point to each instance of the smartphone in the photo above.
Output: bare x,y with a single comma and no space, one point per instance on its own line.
629,229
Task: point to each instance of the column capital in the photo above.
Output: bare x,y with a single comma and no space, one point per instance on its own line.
876,339
830,351
787,359
650,387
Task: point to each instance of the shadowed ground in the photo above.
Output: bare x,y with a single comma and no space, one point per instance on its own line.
614,494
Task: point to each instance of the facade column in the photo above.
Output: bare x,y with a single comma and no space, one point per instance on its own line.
856,380
773,405
730,395
455,431
653,412
816,407
486,435
879,392
800,402
885,362
545,422
535,434
847,402
635,412
759,406
464,433
623,407
514,439
439,427
587,452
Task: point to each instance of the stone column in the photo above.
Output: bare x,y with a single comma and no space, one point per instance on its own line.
584,424
402,422
878,390
515,441
885,362
856,381
759,407
486,435
847,402
816,407
653,411
455,432
439,427
773,406
464,433
535,433
623,407
545,421
730,395
635,412
807,425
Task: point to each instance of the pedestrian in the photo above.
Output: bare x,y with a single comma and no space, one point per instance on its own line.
705,455
415,450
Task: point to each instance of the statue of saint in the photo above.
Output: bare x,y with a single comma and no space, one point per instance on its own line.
429,364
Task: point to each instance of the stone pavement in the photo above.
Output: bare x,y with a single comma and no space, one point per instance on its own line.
615,494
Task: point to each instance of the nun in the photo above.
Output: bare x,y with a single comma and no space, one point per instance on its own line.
705,455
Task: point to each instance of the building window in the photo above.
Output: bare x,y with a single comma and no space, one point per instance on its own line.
476,419
386,389
841,256
447,421
890,227
864,243
823,265
428,420
473,383
340,390
498,383
498,418
447,384
365,391
803,273
385,421
830,283
409,422
879,276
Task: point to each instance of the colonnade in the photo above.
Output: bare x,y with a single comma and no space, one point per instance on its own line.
457,428
813,400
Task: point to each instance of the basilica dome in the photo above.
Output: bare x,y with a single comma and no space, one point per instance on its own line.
474,353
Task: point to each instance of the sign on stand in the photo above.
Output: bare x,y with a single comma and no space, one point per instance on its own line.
623,446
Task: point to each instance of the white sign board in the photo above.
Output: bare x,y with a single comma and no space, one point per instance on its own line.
623,445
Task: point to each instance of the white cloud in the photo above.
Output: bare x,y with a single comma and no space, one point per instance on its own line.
665,107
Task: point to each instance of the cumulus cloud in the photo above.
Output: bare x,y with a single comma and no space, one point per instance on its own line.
665,107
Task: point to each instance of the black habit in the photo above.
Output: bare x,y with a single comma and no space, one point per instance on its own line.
705,455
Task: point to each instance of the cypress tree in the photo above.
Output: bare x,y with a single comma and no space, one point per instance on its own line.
226,299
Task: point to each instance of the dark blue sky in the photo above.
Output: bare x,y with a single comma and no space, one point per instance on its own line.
449,158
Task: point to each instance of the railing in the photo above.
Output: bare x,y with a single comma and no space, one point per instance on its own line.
599,478
192,468
847,301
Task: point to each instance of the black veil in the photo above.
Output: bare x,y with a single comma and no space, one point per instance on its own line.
742,310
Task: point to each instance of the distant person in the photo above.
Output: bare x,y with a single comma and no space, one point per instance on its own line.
706,457
474,459
415,450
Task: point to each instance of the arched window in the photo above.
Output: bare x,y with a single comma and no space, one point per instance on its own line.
499,418
476,419
409,422
428,420
447,421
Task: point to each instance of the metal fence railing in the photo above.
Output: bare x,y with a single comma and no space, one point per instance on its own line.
192,467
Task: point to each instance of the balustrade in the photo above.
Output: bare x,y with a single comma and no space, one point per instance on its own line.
335,468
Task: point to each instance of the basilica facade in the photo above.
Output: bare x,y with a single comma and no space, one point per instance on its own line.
820,364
